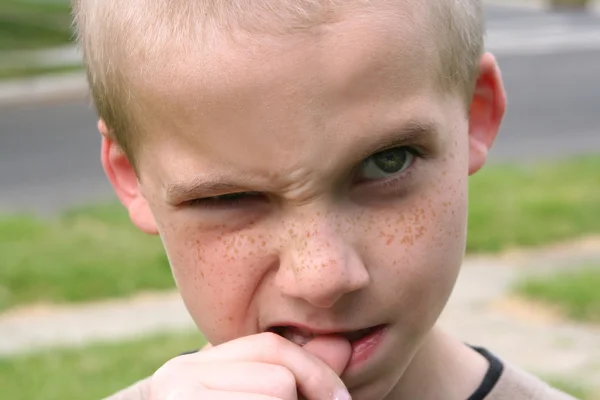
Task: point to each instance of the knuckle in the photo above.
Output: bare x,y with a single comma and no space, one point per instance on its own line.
166,372
271,342
172,381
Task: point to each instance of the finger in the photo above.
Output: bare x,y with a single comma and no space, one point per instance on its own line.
208,394
245,377
221,395
314,379
334,351
177,380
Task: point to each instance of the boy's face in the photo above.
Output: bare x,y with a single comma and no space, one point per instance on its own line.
343,174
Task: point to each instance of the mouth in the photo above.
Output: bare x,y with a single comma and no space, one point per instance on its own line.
301,336
366,343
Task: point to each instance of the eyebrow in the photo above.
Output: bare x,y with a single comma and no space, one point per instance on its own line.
188,190
409,133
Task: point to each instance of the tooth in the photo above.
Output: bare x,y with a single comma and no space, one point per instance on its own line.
298,337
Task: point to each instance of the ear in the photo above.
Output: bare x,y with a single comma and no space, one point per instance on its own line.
486,112
124,180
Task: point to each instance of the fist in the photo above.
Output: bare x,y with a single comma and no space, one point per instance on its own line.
258,367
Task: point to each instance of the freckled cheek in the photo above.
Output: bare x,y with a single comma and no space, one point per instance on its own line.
218,276
416,253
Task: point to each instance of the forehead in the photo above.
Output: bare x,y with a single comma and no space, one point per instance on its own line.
280,103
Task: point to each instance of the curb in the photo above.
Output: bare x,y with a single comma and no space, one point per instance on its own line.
43,88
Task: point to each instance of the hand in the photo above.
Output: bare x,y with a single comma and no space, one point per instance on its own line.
258,367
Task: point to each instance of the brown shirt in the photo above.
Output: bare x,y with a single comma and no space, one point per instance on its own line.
503,382
516,384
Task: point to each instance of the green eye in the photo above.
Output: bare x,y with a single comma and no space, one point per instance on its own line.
387,163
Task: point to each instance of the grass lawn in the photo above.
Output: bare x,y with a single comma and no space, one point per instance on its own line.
90,373
33,70
573,388
86,254
520,206
576,292
94,252
30,24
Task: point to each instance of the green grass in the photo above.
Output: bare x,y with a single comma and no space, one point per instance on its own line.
571,387
33,70
575,292
93,372
95,252
85,254
519,206
31,24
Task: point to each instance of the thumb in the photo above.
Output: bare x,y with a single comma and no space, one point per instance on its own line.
333,350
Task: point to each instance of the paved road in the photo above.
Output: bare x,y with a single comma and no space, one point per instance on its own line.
49,152
550,64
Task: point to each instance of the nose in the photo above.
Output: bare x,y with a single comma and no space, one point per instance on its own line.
319,266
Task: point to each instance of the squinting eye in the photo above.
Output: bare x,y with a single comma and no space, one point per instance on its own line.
227,200
387,163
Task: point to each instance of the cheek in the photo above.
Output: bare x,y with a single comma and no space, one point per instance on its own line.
218,276
416,256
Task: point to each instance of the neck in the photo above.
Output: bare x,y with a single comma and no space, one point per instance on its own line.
443,368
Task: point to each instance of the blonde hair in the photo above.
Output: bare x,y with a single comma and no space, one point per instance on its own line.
114,33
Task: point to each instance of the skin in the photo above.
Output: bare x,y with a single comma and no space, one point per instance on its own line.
324,242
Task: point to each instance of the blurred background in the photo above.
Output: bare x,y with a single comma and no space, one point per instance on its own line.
87,303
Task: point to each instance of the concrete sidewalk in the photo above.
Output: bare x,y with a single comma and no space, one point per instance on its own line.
43,88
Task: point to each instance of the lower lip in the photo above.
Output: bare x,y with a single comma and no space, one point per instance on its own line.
365,347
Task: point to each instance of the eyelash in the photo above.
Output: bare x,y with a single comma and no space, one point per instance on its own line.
222,201
242,198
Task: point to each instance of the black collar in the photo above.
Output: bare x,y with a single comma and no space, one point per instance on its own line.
492,376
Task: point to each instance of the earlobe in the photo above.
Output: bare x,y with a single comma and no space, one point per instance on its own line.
124,180
486,112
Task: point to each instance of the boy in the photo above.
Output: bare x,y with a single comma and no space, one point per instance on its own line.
305,163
